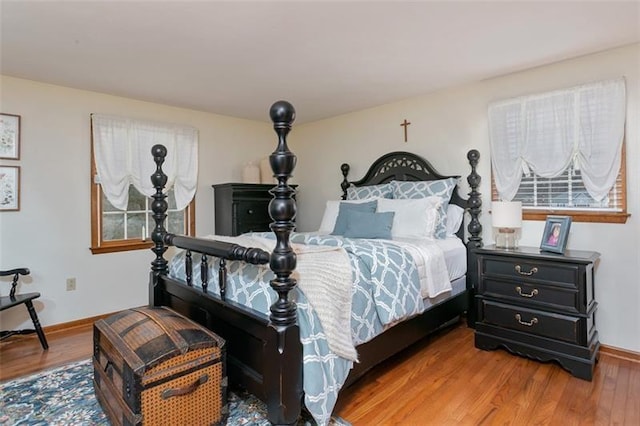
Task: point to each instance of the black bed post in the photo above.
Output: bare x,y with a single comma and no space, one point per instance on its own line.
345,183
159,207
475,239
475,201
283,382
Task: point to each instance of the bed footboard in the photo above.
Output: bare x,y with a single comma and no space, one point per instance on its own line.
264,352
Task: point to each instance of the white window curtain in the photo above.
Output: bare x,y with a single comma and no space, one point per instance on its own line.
544,133
122,151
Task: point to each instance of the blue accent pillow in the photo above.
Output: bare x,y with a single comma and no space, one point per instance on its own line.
341,220
442,188
384,190
369,225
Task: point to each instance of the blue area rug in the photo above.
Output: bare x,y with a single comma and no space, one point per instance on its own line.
65,396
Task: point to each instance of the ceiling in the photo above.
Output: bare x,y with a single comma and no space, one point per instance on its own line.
326,57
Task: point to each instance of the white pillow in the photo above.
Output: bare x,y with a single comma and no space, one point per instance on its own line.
414,218
455,215
331,211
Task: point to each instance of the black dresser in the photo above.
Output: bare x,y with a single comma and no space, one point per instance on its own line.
242,207
539,305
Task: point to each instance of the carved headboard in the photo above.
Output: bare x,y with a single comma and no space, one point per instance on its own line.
401,166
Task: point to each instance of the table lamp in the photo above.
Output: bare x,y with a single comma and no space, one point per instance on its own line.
507,217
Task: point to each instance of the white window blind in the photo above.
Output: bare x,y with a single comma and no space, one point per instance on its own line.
561,148
122,153
565,192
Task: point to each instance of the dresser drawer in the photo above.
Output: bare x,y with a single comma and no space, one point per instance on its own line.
251,216
534,295
247,212
532,321
527,270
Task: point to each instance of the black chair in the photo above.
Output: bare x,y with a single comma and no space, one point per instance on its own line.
12,300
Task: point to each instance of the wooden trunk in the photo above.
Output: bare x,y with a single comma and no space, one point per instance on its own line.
154,366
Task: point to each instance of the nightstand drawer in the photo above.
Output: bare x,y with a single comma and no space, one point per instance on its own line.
523,269
553,326
533,295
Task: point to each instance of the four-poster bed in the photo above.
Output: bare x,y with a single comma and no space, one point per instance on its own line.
264,349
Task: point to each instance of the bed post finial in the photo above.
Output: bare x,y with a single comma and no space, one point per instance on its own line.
344,168
159,207
475,201
282,210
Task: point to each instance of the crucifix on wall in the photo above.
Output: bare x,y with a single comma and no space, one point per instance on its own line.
405,124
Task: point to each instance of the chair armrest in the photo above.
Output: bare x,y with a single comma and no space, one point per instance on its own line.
20,271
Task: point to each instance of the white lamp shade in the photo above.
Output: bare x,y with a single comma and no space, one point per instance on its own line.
506,214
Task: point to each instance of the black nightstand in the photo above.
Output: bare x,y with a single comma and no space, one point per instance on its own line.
539,305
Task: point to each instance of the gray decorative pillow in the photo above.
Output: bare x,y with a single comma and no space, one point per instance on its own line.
345,208
442,188
369,225
384,190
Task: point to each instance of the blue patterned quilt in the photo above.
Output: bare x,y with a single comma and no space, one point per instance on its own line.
386,289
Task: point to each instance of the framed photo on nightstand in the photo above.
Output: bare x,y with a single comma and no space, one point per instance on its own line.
556,233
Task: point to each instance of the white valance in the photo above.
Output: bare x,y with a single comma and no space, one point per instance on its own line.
122,152
544,133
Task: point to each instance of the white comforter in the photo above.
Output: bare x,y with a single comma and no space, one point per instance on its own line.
430,261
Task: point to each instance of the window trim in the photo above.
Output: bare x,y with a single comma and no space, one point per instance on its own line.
582,216
98,246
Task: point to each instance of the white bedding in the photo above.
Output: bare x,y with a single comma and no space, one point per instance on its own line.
431,264
453,260
455,256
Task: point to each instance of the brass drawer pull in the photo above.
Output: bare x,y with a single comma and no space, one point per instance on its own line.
528,324
533,292
531,272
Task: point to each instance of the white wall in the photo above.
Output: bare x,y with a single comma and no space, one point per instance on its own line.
51,233
446,124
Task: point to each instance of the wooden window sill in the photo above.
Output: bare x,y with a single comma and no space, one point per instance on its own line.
577,216
122,245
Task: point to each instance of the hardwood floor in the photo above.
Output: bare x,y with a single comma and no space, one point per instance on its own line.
22,355
444,380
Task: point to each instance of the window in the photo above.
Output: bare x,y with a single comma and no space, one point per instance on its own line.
566,195
115,230
137,220
121,189
562,152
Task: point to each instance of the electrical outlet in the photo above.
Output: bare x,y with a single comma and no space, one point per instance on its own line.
71,284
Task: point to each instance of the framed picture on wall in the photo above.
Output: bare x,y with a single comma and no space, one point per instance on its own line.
9,136
9,188
556,233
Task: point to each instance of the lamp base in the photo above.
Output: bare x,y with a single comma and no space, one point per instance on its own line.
506,238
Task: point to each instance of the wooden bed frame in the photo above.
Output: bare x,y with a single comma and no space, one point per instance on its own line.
264,354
